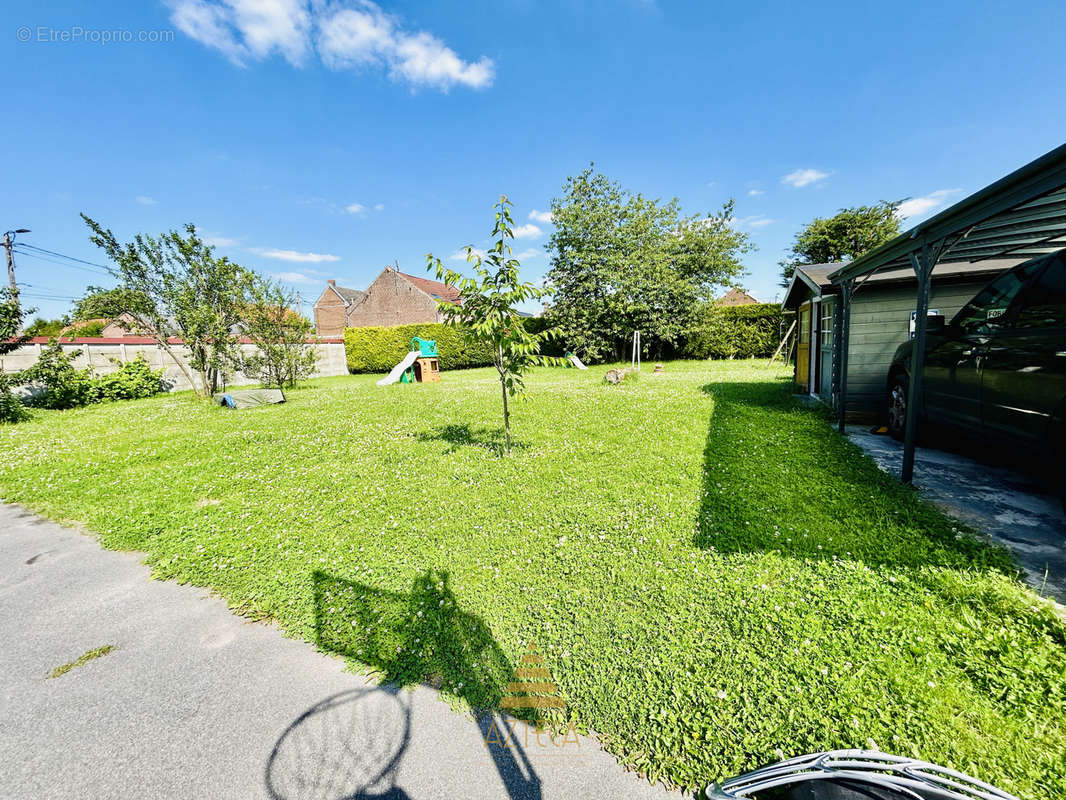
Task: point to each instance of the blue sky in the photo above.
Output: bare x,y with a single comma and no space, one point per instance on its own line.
327,139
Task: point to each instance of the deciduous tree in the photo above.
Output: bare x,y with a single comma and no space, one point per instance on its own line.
11,316
842,237
284,354
99,303
187,292
487,309
623,262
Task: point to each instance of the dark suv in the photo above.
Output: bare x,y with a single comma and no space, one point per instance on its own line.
998,369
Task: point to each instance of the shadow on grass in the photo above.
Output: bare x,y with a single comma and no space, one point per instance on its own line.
777,477
424,637
463,435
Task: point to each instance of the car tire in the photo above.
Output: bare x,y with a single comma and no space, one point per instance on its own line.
898,388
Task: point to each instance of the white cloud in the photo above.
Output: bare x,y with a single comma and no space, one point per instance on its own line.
541,216
210,25
145,200
295,277
245,30
753,222
916,206
755,192
295,255
355,208
379,206
219,241
350,34
804,177
423,59
527,231
460,255
529,253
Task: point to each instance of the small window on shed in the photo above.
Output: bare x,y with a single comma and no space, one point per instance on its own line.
827,324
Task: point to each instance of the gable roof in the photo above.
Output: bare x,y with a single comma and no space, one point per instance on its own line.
348,295
433,288
812,277
736,297
815,277
819,273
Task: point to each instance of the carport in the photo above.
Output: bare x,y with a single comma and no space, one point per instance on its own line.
1022,215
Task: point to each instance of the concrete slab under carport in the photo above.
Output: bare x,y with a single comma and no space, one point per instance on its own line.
1010,507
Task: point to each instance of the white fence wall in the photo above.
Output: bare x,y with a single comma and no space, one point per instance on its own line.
107,355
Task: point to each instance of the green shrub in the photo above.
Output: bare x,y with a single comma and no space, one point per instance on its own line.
11,408
63,385
66,387
381,349
735,332
133,380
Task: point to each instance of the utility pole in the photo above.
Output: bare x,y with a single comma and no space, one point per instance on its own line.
299,302
9,241
10,264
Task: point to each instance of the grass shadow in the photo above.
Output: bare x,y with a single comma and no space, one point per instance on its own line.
777,477
463,435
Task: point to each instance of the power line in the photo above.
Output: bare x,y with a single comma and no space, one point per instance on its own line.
63,255
60,263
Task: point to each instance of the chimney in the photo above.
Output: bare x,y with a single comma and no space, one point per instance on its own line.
331,282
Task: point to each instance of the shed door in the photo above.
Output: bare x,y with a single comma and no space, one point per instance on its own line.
803,348
825,349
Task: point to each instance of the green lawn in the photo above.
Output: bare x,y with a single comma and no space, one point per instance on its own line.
711,572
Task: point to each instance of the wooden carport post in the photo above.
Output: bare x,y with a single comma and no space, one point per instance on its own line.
923,268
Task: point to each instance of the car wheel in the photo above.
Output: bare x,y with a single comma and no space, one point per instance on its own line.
897,407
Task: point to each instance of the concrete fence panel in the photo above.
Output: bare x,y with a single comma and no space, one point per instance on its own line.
107,355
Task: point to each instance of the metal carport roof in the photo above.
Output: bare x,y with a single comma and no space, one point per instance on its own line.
1021,215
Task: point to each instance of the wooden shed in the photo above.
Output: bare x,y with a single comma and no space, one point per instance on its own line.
882,310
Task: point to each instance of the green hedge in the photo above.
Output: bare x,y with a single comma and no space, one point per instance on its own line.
735,332
381,349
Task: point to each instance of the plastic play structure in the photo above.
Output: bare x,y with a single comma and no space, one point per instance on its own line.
420,365
573,359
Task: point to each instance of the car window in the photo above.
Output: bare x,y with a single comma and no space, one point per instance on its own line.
1043,304
988,311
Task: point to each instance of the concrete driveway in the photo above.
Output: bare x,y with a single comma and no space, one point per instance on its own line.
197,702
1009,507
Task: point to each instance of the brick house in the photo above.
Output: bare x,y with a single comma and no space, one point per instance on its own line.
736,297
110,328
332,308
394,298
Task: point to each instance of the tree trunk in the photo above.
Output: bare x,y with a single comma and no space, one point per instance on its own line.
506,409
506,417
180,364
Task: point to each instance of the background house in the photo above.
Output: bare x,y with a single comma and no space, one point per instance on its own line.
108,328
332,307
736,297
394,298
881,310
